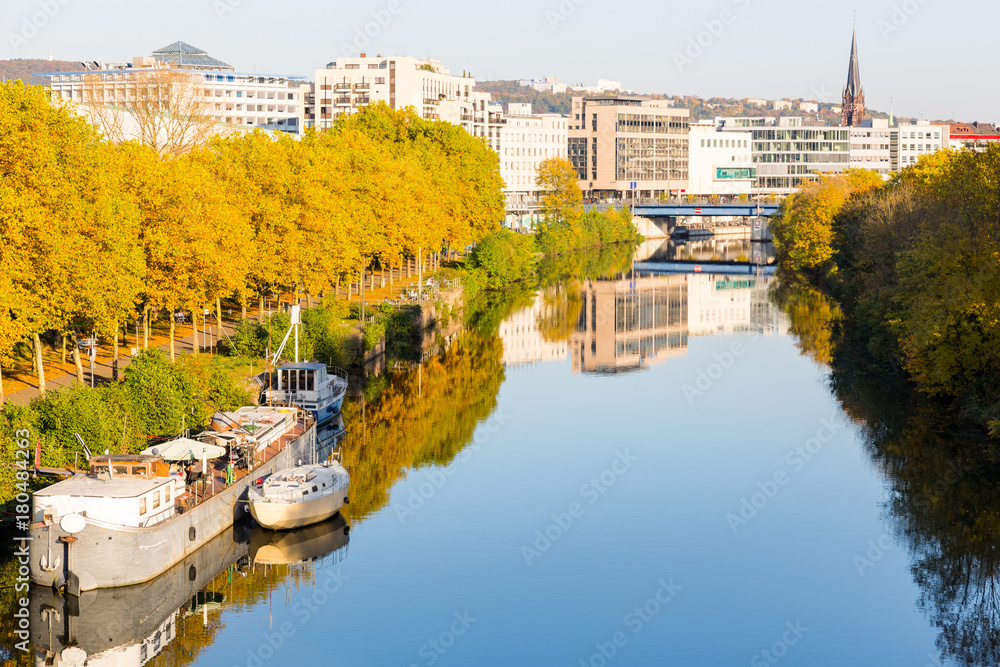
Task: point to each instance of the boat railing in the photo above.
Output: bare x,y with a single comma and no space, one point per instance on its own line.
159,516
338,372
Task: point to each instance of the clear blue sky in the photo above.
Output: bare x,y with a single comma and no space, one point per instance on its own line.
936,59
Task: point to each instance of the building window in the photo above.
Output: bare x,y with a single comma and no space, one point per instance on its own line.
379,80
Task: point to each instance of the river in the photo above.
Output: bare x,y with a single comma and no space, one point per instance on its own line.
626,470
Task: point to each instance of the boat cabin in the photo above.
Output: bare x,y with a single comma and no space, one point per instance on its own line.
125,465
114,499
304,377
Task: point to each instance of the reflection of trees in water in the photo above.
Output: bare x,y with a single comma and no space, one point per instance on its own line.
239,587
424,417
945,484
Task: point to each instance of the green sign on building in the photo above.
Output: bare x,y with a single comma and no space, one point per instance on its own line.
736,173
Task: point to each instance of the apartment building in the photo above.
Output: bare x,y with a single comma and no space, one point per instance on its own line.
237,99
348,84
623,147
719,163
526,140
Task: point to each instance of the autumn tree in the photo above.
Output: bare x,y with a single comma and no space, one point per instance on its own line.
562,201
161,107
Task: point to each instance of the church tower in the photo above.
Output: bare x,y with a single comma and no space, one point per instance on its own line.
854,93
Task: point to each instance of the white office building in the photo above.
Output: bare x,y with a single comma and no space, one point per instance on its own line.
719,163
921,138
873,146
348,84
788,152
238,100
526,140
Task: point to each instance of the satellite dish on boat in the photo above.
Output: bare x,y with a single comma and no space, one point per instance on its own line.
73,523
155,451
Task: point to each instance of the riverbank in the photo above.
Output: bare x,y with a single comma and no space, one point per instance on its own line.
913,267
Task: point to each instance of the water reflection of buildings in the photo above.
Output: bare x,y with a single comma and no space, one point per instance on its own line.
523,342
633,322
130,626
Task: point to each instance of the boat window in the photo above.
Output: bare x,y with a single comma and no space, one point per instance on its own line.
121,470
166,493
302,379
142,505
156,500
316,489
309,380
139,470
293,381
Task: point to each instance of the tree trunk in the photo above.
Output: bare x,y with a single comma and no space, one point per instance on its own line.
361,286
194,333
1,385
407,268
145,327
420,274
173,325
63,337
391,271
76,358
260,312
218,316
114,358
40,365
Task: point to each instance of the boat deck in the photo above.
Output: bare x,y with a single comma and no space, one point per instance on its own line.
214,482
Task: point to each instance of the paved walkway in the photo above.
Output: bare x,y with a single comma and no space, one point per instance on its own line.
102,371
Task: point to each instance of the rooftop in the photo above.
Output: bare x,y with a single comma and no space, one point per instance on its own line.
182,54
94,487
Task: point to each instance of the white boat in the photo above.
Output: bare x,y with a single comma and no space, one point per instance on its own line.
299,496
309,386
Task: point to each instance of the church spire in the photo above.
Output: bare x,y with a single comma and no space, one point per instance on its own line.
854,93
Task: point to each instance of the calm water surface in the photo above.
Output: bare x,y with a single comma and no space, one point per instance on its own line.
627,472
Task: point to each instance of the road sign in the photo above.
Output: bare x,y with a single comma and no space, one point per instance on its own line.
633,185
697,211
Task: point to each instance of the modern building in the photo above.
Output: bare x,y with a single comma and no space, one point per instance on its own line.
874,145
719,163
809,107
788,152
624,146
526,140
351,83
237,99
780,105
919,139
853,111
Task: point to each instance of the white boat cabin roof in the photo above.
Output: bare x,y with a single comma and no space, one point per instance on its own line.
303,365
84,486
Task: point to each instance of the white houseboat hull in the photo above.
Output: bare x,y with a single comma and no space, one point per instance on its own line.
287,515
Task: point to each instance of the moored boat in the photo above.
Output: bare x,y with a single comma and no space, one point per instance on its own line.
299,496
311,387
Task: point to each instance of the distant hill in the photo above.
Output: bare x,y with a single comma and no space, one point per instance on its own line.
512,91
24,68
700,108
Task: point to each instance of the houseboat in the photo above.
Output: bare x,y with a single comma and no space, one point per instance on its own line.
311,387
131,518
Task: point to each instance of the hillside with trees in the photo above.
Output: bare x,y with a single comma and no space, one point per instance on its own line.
23,68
